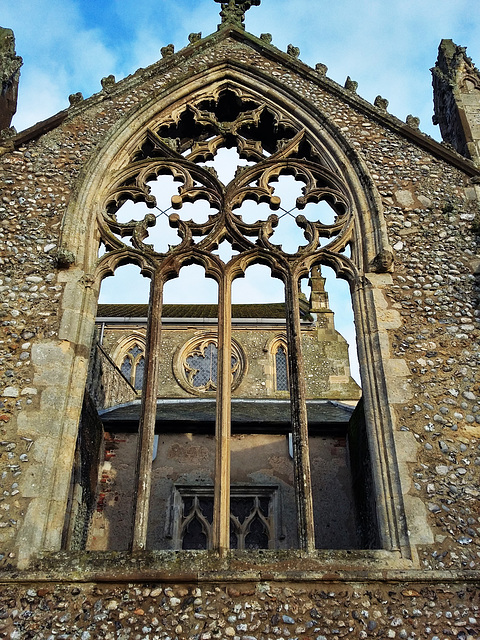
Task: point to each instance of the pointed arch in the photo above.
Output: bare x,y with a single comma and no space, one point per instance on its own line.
120,144
367,236
277,368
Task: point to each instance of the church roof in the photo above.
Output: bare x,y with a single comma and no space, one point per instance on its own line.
272,310
248,415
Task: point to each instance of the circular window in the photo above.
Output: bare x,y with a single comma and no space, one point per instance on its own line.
195,365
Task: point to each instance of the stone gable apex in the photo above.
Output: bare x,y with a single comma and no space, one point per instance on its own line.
262,45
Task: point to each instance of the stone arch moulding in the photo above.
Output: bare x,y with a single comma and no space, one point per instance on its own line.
118,145
82,281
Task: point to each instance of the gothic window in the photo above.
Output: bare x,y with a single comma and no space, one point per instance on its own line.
196,366
202,367
281,370
139,372
127,367
253,517
180,143
133,366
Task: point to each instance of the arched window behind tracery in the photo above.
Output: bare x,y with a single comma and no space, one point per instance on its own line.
281,369
133,366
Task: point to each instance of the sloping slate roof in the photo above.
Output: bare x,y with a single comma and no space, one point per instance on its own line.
192,414
274,310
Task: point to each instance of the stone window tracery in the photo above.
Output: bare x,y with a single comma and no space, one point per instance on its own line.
253,517
274,145
133,366
201,367
196,365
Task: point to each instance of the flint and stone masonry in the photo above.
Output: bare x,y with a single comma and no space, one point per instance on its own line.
409,207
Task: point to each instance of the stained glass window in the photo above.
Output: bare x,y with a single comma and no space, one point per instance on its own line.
133,366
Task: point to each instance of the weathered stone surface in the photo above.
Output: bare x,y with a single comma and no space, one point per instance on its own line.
10,65
423,320
129,611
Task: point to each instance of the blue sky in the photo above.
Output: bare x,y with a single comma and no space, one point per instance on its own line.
388,47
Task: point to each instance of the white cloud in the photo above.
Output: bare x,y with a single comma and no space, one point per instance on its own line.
61,55
387,47
41,97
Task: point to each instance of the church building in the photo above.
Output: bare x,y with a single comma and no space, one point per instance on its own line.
212,470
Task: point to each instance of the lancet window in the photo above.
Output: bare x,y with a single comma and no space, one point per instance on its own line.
271,145
133,366
281,368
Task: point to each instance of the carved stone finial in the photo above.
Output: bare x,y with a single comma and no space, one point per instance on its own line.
413,121
195,37
293,51
108,83
321,69
10,65
351,85
318,295
381,103
233,11
169,50
266,37
75,98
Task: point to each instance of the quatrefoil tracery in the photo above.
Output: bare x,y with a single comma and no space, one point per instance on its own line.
209,122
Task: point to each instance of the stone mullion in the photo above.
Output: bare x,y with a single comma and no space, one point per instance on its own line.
298,406
221,517
148,415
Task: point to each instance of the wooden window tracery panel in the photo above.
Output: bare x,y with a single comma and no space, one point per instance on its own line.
254,517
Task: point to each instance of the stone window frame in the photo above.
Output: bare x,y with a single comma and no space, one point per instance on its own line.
176,519
279,341
122,350
384,380
180,366
134,364
166,147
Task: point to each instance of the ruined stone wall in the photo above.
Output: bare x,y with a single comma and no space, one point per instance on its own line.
10,65
106,385
427,308
261,459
